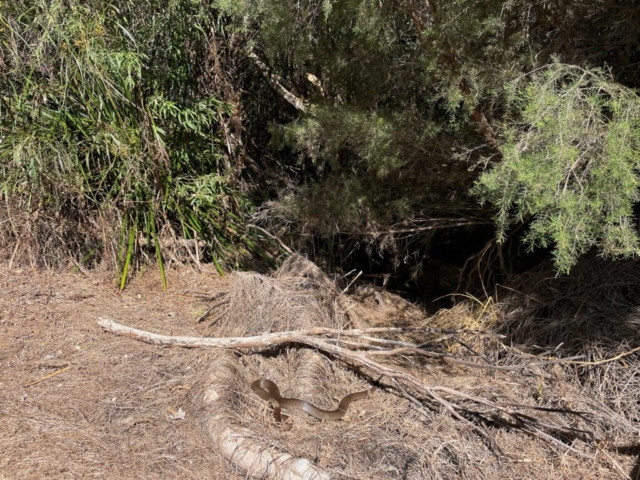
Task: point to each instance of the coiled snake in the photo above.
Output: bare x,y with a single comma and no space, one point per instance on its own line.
269,391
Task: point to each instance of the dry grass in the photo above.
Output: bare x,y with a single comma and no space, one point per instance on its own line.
593,314
47,239
112,414
288,301
387,436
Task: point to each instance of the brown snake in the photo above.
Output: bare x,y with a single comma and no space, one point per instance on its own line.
269,391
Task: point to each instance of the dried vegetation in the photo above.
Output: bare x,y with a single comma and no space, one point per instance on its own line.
558,344
451,402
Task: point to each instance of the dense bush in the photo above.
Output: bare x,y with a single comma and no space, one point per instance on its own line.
350,122
408,102
102,116
571,163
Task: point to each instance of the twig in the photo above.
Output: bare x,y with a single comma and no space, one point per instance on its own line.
545,436
421,229
445,357
205,296
351,282
605,360
15,250
271,235
411,348
47,377
270,339
617,465
211,309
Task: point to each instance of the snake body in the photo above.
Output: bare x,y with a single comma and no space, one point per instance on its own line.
269,391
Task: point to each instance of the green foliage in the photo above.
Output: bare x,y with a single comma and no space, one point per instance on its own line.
365,161
370,151
322,134
101,111
390,116
571,162
117,107
409,89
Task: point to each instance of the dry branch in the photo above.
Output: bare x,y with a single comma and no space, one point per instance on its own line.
270,340
421,229
47,377
277,83
442,395
272,236
206,314
266,340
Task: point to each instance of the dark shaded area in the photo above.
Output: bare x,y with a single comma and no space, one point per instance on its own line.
597,304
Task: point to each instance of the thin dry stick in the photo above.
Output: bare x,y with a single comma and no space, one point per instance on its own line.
211,309
604,360
414,349
352,282
545,436
447,358
15,250
272,236
421,229
269,340
47,377
265,340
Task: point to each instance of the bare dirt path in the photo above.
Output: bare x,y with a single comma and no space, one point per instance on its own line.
113,410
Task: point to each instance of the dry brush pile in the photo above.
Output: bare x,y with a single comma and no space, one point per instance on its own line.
453,395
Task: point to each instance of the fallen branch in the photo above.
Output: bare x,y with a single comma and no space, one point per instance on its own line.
441,395
267,339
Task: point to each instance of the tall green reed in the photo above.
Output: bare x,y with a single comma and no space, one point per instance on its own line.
91,120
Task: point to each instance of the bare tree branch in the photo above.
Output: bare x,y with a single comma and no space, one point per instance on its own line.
441,395
276,82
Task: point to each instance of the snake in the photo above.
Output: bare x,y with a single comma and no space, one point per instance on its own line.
269,391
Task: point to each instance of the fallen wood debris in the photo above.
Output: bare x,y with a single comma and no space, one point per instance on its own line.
460,404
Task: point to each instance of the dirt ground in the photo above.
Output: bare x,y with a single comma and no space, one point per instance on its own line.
76,402
113,411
